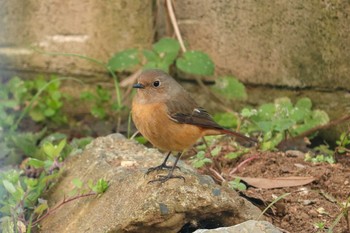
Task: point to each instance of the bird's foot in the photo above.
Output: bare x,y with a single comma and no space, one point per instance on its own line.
163,179
160,167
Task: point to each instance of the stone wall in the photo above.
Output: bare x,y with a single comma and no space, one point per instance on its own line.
291,43
281,43
92,28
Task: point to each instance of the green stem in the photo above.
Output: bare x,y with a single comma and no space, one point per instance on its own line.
36,96
71,55
116,85
115,78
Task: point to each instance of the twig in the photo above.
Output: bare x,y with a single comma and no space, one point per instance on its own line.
326,126
50,211
217,175
174,23
241,164
216,163
183,48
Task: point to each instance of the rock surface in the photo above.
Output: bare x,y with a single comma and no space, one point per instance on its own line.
132,205
248,226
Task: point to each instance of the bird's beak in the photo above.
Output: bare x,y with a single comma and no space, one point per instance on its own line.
138,85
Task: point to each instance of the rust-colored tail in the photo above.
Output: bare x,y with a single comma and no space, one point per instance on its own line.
240,138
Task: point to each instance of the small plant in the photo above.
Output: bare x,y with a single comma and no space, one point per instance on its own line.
275,120
21,205
11,95
322,154
236,184
199,160
343,144
101,102
320,226
230,88
344,213
49,106
163,54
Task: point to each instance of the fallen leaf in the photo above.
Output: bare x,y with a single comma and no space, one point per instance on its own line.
279,182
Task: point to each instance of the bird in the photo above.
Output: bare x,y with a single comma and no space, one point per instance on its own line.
170,119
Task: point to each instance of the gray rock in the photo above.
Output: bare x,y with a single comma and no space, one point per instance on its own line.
131,204
245,227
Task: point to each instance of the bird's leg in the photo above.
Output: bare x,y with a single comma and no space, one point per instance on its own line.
170,175
162,166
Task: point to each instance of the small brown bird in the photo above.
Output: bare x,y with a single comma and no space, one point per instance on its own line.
166,115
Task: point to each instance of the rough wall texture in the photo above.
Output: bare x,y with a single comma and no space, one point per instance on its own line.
93,28
286,43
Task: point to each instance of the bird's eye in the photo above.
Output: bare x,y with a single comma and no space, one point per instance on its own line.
156,83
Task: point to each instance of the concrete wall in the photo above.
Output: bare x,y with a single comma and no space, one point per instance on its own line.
293,43
93,28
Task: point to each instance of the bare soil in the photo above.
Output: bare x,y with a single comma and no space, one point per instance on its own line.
308,205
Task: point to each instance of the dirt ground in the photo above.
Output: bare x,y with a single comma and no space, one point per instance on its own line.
308,205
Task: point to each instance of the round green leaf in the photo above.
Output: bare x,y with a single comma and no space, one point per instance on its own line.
124,60
195,62
230,88
166,45
304,103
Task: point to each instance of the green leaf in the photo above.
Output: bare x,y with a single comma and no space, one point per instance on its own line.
230,88
87,95
163,55
200,160
283,102
236,154
77,183
299,114
36,163
53,151
9,186
124,60
39,210
227,120
157,65
7,224
232,155
283,124
304,103
167,45
321,117
215,152
141,140
167,49
103,94
246,112
266,111
151,56
265,126
195,62
36,114
236,184
101,186
98,111
49,112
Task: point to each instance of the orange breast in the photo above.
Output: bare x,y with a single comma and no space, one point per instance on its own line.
154,124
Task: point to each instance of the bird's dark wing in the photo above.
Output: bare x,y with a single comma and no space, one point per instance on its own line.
186,111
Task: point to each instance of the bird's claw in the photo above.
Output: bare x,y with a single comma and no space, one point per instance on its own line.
160,167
